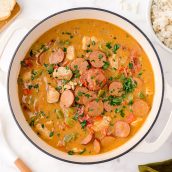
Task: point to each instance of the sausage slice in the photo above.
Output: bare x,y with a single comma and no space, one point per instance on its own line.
140,108
93,79
80,93
116,88
87,139
107,140
97,59
56,56
122,129
108,107
79,64
96,146
89,96
67,98
94,108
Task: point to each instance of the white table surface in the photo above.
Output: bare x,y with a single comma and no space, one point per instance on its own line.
40,162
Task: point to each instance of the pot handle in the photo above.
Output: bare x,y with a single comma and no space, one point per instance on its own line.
19,24
5,38
146,147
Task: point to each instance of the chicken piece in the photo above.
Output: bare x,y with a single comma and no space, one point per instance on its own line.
27,76
101,124
52,95
62,73
85,42
70,53
43,131
94,39
114,62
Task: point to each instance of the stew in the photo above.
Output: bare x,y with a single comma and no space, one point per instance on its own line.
86,87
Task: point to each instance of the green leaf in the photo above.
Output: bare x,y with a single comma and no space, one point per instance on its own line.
50,69
141,95
51,134
115,48
106,65
84,150
128,85
108,45
83,124
115,100
71,152
130,65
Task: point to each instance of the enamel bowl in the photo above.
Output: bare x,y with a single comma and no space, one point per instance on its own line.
72,14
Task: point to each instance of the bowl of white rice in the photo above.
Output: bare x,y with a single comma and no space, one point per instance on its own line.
160,21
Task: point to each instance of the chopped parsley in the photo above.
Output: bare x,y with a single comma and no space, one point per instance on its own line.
83,124
75,117
32,122
76,98
110,78
108,45
71,152
140,74
114,100
93,43
68,33
35,74
44,47
100,56
106,65
128,85
76,72
65,49
141,95
32,53
67,42
82,151
80,93
89,50
50,68
58,88
115,48
51,134
87,95
130,102
120,111
130,65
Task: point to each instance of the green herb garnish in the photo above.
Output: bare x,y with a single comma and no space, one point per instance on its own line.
115,48
108,45
51,134
83,124
106,65
130,65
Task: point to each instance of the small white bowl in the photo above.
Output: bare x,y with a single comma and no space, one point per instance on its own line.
151,28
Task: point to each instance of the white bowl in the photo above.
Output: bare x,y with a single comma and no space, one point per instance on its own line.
151,28
72,14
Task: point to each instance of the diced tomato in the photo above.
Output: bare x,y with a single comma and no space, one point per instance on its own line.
55,67
98,118
130,118
27,91
124,103
28,62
